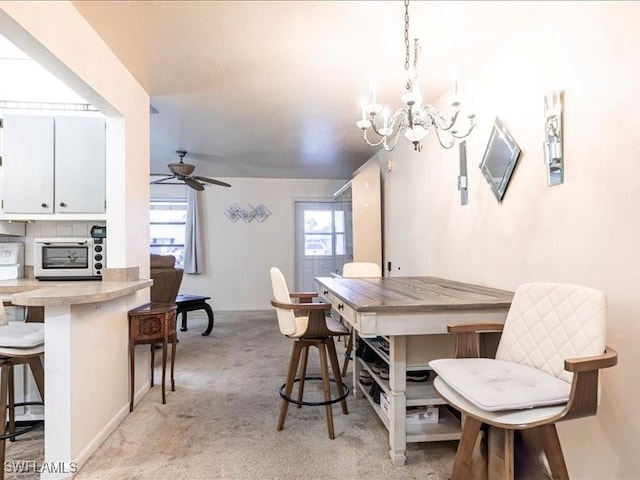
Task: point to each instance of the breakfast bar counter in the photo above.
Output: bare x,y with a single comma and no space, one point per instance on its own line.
32,293
86,379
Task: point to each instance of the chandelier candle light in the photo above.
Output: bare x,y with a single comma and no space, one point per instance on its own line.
415,119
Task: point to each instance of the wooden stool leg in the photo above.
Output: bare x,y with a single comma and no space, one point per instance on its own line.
303,373
4,391
335,366
173,361
291,376
462,464
132,368
35,363
326,387
553,451
347,354
12,403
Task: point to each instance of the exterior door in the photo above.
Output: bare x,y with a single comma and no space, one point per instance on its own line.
320,242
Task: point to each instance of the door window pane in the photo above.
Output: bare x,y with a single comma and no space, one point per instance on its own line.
318,221
318,245
341,246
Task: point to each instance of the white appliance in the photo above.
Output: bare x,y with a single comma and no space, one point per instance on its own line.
69,258
11,261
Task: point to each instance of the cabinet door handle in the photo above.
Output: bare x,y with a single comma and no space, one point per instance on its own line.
340,306
62,204
325,292
44,205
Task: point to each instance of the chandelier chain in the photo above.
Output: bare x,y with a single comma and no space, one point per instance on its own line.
406,41
414,119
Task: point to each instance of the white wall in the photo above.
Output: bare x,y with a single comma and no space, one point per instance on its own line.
59,38
584,231
238,255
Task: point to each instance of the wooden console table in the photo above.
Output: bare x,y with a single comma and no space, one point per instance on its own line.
152,323
412,313
189,303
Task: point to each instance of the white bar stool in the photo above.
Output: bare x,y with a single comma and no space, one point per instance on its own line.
20,344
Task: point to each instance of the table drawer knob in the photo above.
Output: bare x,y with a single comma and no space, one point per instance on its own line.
340,306
325,292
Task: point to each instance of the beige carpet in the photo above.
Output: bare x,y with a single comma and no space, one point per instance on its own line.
220,422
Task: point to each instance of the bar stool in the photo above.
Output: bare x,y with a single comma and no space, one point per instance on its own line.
20,343
357,270
317,330
153,323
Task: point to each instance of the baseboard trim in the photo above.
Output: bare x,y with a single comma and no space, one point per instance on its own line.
109,428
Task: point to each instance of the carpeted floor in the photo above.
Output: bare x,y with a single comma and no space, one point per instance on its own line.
220,422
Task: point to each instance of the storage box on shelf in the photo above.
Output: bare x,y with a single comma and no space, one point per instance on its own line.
418,394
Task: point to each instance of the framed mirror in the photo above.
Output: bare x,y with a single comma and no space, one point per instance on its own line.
499,158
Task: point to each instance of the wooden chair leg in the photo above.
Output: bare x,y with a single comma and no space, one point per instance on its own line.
12,403
553,451
291,376
347,354
4,391
462,464
303,373
35,363
500,453
326,387
335,366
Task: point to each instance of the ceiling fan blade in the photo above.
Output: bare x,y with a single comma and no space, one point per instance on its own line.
211,180
160,180
193,183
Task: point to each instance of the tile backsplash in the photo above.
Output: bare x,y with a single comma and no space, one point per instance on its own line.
39,229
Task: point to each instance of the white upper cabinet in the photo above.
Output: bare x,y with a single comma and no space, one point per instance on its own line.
27,164
79,165
53,165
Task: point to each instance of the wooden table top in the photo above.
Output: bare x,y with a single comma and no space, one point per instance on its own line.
414,294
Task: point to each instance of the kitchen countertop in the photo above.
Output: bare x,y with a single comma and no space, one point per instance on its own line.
31,292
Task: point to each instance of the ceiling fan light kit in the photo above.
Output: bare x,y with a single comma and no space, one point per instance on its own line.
183,172
414,119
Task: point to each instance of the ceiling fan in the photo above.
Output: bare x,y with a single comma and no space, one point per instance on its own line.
182,171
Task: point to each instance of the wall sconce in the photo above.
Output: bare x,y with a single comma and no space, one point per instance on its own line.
553,151
463,178
248,213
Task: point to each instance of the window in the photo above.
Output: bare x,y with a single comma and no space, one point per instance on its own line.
324,233
167,218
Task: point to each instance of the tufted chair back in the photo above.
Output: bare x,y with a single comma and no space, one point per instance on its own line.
549,322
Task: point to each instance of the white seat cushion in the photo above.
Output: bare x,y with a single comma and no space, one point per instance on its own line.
21,335
497,385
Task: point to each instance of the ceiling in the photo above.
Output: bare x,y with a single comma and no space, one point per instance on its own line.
272,89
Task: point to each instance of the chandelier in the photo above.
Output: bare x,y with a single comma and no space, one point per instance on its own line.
414,119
